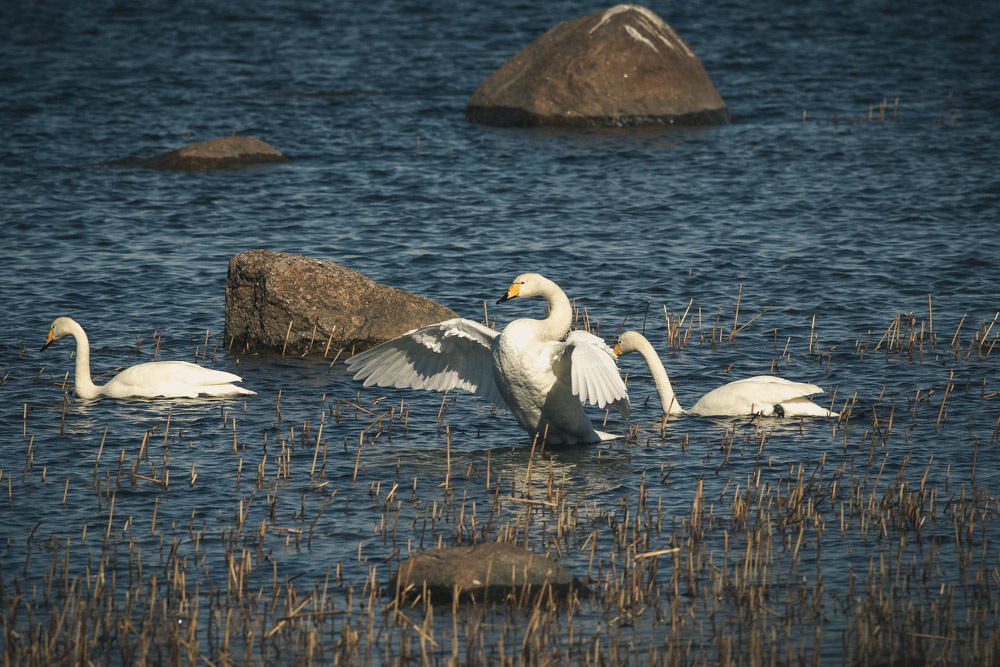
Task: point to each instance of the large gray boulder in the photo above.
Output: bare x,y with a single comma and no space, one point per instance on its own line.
222,153
618,67
330,307
490,570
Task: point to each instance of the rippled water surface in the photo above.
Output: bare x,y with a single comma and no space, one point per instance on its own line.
808,207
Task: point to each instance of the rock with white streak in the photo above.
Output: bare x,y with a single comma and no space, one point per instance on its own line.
619,67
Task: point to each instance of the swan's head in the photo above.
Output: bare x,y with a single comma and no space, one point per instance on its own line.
630,341
61,327
527,284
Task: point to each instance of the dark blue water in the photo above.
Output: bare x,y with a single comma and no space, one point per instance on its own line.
807,205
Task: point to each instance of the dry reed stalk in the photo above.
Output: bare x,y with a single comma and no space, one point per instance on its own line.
312,338
930,315
288,333
735,331
329,341
166,429
319,436
441,409
736,317
680,324
357,458
717,327
447,458
957,330
947,390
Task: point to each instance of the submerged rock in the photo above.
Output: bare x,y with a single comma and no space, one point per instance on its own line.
222,153
281,302
491,570
622,66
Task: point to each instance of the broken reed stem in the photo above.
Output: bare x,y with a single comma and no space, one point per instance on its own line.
531,458
288,333
312,338
111,516
357,458
447,457
957,329
319,437
947,390
755,317
736,317
329,341
930,318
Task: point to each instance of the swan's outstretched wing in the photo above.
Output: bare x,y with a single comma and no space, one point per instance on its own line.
758,394
594,372
452,354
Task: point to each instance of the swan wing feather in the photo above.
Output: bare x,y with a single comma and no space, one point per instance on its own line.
594,372
453,354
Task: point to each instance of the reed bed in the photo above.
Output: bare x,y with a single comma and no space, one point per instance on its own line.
202,540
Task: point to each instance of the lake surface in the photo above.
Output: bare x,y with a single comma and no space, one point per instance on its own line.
810,207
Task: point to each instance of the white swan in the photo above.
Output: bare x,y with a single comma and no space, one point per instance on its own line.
765,395
154,379
537,369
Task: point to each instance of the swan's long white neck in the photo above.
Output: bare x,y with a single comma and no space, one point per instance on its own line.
85,387
668,400
560,318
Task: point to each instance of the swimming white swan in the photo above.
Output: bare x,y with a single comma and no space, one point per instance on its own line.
154,379
537,369
765,395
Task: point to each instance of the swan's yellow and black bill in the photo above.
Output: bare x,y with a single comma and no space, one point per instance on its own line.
48,341
512,292
618,349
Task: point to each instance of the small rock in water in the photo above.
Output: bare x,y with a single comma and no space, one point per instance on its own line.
490,570
222,153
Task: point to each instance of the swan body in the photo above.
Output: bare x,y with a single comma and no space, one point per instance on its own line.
154,379
537,369
764,395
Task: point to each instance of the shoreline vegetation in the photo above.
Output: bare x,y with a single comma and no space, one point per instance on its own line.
865,553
